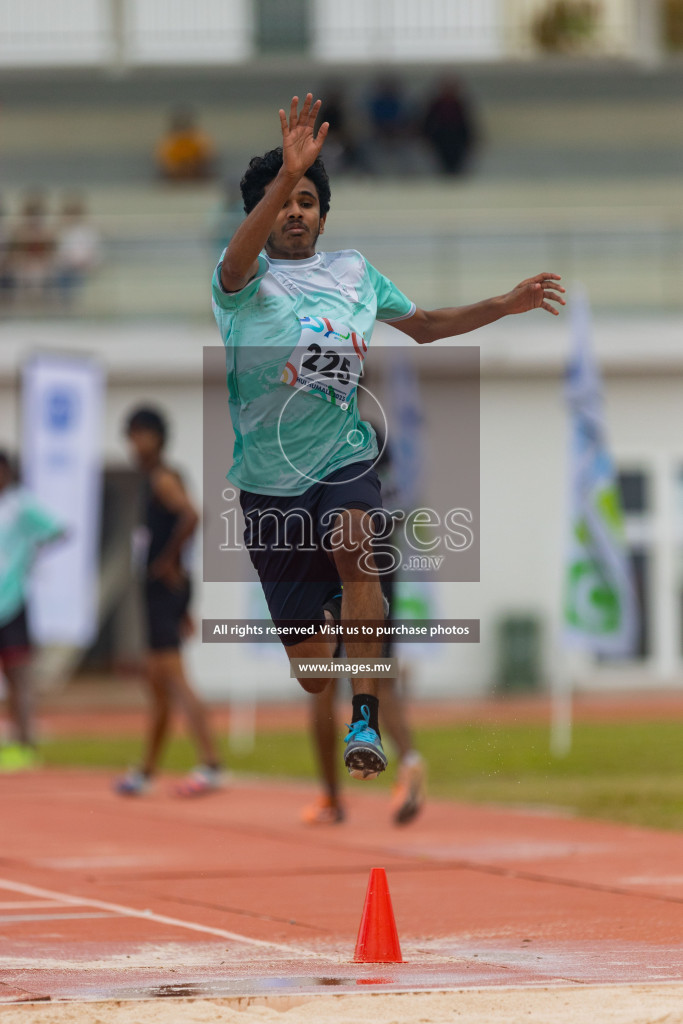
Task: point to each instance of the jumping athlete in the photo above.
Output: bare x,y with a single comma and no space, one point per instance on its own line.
296,325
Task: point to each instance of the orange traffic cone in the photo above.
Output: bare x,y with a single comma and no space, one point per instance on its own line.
377,941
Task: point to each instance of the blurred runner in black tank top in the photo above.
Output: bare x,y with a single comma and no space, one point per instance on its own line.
170,522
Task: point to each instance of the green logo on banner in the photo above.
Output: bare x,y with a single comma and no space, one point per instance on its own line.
593,604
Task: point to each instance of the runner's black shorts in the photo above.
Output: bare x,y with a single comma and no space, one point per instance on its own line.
285,542
165,609
15,644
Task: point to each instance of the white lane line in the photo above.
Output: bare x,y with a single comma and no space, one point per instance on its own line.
653,880
30,904
13,918
149,915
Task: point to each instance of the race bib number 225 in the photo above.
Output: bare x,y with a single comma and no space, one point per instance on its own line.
327,361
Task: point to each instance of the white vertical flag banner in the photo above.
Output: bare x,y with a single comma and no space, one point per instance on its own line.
413,599
600,606
405,430
62,404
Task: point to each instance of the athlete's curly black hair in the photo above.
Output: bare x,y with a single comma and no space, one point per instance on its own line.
262,170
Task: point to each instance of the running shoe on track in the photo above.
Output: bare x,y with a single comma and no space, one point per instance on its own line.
409,792
133,783
323,811
364,756
201,781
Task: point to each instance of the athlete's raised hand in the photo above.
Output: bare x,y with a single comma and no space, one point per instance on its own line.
537,292
300,146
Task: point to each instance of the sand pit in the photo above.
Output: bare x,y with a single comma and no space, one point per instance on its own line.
625,1004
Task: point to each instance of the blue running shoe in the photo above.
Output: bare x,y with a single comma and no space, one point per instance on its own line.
133,783
364,756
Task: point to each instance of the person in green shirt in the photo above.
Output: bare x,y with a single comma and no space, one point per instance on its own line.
25,526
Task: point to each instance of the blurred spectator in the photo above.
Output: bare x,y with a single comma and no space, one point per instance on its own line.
185,153
448,125
393,147
78,249
388,110
343,148
32,250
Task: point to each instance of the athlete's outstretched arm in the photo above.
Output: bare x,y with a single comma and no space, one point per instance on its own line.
537,292
300,147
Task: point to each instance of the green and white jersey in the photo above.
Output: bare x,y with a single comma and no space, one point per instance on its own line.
295,338
24,526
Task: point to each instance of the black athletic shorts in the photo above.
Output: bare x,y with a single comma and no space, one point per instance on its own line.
14,639
165,608
300,576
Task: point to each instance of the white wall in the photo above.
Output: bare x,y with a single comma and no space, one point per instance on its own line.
402,30
92,32
53,32
196,32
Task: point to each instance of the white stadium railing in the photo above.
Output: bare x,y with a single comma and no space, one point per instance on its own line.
74,33
214,32
402,30
164,272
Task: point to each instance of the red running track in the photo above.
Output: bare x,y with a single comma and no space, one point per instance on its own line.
115,710
229,895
